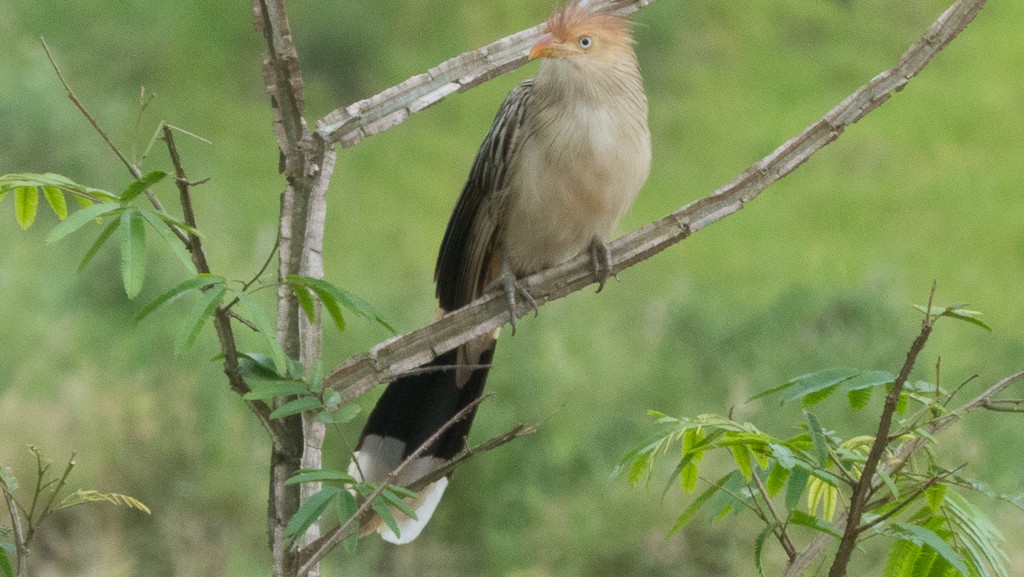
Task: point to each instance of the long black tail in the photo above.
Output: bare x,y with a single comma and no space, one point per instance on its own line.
412,410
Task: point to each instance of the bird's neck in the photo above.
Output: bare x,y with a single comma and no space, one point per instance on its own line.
583,83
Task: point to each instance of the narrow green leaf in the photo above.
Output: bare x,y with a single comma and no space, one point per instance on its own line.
332,307
695,506
955,312
179,291
133,252
197,317
259,367
795,489
968,318
741,455
688,477
818,438
980,537
296,406
136,188
269,333
55,198
728,500
925,561
798,517
901,559
265,392
26,205
173,242
858,398
320,476
310,511
346,506
776,480
80,219
759,548
818,382
328,292
384,512
889,483
305,301
398,503
343,415
97,244
923,536
174,221
936,495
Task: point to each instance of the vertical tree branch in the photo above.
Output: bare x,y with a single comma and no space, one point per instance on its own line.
307,164
862,490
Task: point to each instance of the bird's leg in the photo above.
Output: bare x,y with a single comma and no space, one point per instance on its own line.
601,258
512,287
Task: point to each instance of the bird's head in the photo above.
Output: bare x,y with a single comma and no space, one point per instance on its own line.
581,30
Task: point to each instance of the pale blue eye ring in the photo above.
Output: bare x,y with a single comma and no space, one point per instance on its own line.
586,42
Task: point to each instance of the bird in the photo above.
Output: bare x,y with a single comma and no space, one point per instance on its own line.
566,155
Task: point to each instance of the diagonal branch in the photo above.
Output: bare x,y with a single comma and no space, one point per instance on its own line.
390,358
348,126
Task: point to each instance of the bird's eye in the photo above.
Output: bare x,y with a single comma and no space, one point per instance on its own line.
586,42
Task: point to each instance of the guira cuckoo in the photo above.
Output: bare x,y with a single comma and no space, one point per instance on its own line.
566,155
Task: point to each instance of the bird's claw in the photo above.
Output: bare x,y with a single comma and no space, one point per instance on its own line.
601,259
513,288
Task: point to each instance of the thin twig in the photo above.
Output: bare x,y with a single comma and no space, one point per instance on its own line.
81,107
781,535
519,430
1004,405
53,493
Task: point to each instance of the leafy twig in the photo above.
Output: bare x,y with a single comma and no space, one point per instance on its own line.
318,549
221,320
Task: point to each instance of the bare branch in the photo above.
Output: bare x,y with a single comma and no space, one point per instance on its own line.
390,358
348,126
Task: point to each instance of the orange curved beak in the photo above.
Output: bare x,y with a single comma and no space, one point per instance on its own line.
545,46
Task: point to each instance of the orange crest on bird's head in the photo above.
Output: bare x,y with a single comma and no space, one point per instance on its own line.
584,26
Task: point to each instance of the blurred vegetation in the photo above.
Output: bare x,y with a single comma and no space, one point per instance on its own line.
819,272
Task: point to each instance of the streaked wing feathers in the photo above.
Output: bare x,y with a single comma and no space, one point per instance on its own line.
464,262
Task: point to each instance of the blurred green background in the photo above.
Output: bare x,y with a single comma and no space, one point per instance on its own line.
820,272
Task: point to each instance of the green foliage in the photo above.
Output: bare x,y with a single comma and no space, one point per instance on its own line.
340,489
98,205
333,298
47,497
934,529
